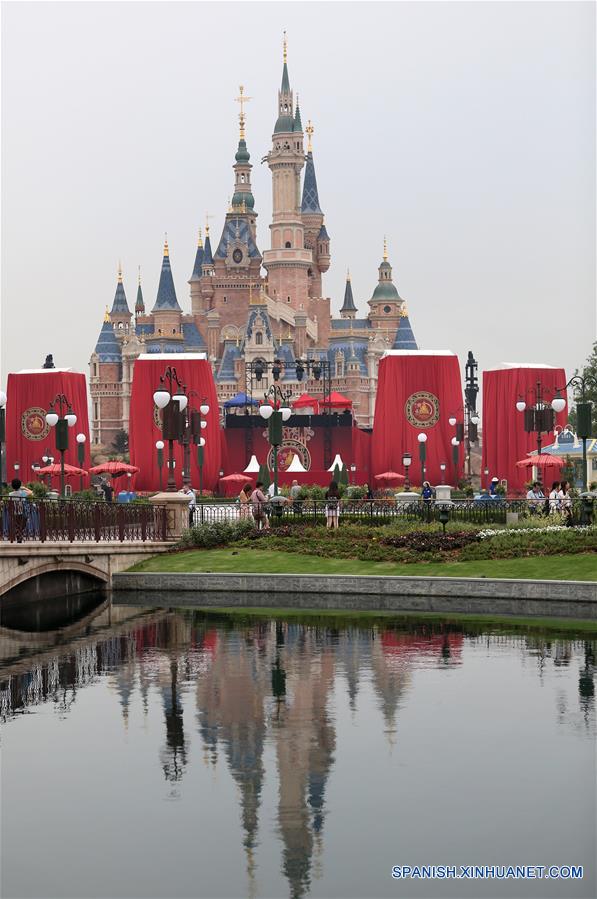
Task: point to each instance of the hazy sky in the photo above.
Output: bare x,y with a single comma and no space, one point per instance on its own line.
463,131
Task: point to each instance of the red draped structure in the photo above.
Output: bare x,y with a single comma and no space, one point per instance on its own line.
28,437
504,439
417,392
195,372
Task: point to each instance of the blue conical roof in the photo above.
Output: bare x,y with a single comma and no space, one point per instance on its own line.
323,234
166,298
107,346
198,262
285,88
140,303
298,125
348,304
405,339
207,256
310,202
120,304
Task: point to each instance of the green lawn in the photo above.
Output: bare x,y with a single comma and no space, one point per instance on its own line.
580,567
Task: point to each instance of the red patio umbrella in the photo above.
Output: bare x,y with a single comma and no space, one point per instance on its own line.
392,478
544,460
69,470
115,469
237,478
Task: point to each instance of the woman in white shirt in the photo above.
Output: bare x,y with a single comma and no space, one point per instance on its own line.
554,502
565,502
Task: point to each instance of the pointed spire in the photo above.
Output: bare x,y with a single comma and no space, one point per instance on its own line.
120,305
198,258
310,201
207,254
309,130
298,125
166,298
139,303
285,121
385,249
348,305
285,80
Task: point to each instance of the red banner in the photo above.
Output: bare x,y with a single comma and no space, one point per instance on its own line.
417,393
28,437
505,441
145,422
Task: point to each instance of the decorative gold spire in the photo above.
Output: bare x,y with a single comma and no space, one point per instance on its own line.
285,45
166,250
348,274
107,316
200,241
119,272
385,249
139,267
309,129
241,99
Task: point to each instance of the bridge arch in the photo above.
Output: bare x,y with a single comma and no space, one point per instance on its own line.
47,579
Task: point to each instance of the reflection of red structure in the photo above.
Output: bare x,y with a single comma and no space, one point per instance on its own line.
504,438
399,643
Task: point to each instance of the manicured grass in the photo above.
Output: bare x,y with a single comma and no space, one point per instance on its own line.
579,567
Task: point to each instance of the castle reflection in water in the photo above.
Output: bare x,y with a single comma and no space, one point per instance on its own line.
256,683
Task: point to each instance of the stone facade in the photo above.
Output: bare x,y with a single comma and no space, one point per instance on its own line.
240,313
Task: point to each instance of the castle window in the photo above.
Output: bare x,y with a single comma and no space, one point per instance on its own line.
288,245
120,325
387,309
287,299
258,338
242,178
225,299
96,410
95,369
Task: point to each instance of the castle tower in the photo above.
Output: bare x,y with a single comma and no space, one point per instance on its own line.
120,314
139,302
312,216
166,311
196,297
105,385
348,310
287,262
386,304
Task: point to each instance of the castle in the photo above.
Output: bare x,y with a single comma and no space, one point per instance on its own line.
238,315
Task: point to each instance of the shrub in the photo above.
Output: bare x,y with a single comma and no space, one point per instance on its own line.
217,533
38,489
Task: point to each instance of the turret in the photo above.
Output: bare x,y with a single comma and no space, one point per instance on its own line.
139,302
166,311
242,199
312,216
348,310
207,272
120,313
386,304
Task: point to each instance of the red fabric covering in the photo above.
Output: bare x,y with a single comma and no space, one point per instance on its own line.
28,437
196,374
504,438
399,378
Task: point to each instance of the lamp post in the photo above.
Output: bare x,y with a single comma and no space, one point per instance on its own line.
173,400
422,438
584,414
455,444
406,461
61,420
2,432
81,438
159,445
353,469
198,423
442,468
471,416
48,459
538,419
275,415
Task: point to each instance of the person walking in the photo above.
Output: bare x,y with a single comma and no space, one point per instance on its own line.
294,496
494,486
107,490
554,499
192,497
535,498
258,504
244,498
332,506
565,503
18,509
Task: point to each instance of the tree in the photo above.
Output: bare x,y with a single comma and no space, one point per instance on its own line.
336,474
344,475
264,476
589,371
121,442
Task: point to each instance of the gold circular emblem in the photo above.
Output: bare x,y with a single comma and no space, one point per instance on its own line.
422,409
33,424
287,452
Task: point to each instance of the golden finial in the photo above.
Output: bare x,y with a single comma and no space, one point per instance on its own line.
139,267
119,272
241,99
309,129
348,274
207,218
166,250
107,316
404,311
385,249
285,45
200,241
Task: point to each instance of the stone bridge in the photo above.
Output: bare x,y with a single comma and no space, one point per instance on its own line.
35,570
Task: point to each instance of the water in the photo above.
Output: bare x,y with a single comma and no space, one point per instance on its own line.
163,753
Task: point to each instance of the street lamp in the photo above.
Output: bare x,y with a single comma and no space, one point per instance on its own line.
538,419
422,438
2,431
197,424
275,415
173,400
442,468
353,469
159,445
81,438
406,461
584,414
62,421
48,459
455,444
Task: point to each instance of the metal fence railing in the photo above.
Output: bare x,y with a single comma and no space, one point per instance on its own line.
387,510
68,520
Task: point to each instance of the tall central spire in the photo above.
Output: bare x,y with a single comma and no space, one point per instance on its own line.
285,121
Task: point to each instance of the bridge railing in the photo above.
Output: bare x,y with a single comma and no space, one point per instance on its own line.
22,520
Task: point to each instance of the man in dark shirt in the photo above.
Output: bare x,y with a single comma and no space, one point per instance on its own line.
108,491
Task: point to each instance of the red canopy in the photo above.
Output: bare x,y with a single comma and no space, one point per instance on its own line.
391,477
69,470
337,399
238,478
542,461
305,400
115,469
